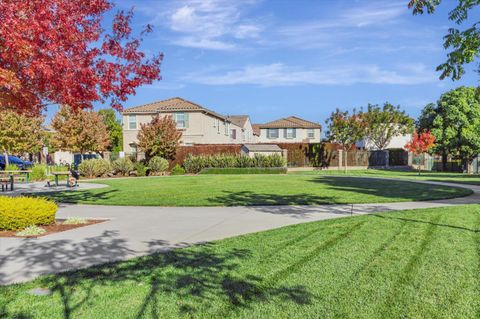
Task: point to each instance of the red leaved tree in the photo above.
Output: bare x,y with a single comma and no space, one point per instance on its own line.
420,143
160,137
56,52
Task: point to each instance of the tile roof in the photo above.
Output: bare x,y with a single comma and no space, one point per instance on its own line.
238,120
175,104
289,122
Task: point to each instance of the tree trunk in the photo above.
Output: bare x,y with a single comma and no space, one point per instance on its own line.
6,158
346,159
444,160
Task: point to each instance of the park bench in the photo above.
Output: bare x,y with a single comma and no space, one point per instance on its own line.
6,181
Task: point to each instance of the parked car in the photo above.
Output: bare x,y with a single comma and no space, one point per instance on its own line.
21,164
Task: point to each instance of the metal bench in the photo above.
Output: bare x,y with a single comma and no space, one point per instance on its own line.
6,181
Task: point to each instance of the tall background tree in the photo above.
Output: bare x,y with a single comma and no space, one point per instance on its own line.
160,137
464,45
114,128
56,52
19,133
384,123
455,122
79,131
345,129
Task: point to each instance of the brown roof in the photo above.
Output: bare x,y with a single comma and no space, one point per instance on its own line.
290,122
175,104
238,120
256,129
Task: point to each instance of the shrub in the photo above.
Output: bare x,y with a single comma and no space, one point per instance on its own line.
140,168
75,221
96,167
123,166
195,164
158,165
11,167
178,170
20,212
39,172
247,170
33,230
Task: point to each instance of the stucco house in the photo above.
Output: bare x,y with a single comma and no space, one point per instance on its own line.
397,142
198,124
291,129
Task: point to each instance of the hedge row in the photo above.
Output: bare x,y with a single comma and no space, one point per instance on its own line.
240,171
195,164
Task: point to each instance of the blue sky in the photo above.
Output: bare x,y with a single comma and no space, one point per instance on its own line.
272,59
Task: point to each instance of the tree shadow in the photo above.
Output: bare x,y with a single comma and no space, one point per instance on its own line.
78,196
394,189
411,220
249,198
189,279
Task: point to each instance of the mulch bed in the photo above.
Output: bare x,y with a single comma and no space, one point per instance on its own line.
51,229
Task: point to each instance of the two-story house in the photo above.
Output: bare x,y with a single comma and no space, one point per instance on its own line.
198,124
288,130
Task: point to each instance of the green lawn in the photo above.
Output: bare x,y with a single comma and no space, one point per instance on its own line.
412,264
236,190
426,175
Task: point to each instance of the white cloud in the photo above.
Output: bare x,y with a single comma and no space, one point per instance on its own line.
211,24
278,74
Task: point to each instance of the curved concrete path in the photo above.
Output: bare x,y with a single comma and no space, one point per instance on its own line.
135,231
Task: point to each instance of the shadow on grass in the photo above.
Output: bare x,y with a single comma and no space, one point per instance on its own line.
391,189
187,280
436,224
78,196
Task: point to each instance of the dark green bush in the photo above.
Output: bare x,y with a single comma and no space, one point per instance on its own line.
195,164
140,168
178,170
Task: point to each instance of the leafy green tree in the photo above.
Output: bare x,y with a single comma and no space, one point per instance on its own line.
455,122
345,129
114,128
19,133
384,123
464,44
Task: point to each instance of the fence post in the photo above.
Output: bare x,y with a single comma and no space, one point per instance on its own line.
387,158
285,156
410,159
340,159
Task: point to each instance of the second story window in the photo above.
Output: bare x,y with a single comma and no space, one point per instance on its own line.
311,133
132,122
181,119
272,133
290,133
233,134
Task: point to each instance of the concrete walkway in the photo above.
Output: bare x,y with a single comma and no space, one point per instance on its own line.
135,231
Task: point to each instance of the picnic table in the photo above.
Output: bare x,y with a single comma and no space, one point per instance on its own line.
57,174
18,173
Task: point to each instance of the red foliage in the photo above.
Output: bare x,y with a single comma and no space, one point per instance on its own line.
56,52
420,143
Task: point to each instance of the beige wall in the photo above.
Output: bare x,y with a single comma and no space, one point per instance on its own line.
301,137
202,129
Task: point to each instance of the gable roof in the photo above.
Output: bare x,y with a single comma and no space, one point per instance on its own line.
289,122
175,104
238,120
256,129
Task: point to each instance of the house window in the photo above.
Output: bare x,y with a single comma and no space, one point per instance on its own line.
233,134
181,119
132,122
272,133
311,133
290,133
